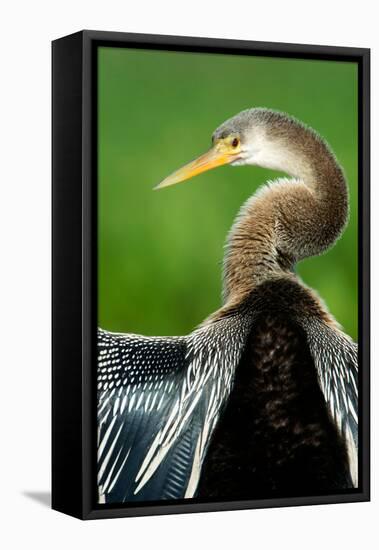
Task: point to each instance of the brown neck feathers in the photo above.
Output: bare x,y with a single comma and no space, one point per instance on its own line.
289,219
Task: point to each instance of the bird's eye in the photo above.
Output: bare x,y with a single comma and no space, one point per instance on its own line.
235,142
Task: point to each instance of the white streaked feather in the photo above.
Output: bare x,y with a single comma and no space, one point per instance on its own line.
352,410
182,397
353,456
123,404
195,472
335,356
116,405
105,438
152,467
107,481
109,453
149,455
118,472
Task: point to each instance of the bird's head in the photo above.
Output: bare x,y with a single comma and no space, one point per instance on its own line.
242,139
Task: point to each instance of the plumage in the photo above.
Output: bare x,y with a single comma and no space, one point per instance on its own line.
262,398
279,435
171,390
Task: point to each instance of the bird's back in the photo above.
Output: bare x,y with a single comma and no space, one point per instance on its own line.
276,436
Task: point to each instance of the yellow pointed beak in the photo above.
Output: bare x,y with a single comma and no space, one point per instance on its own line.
218,155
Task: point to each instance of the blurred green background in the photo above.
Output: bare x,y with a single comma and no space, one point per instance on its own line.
160,253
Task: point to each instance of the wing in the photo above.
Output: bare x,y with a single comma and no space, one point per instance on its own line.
336,359
159,400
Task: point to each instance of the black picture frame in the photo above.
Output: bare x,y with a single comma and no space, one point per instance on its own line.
74,294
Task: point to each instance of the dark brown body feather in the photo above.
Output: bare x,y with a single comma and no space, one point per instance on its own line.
275,437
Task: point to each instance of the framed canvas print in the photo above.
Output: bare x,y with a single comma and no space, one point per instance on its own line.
210,274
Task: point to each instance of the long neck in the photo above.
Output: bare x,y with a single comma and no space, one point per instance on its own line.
289,219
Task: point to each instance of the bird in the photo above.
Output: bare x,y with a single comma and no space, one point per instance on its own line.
261,399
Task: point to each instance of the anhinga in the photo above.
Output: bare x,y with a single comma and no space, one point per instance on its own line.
261,399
